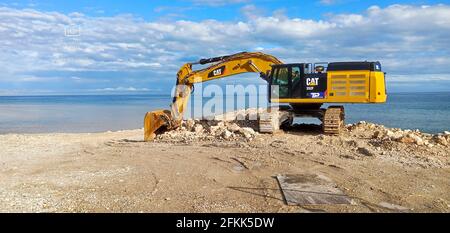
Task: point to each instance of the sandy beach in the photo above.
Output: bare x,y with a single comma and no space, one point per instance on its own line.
118,172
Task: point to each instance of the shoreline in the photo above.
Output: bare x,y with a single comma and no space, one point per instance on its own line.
136,129
74,133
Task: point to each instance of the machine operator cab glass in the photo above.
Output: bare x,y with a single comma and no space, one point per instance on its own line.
302,80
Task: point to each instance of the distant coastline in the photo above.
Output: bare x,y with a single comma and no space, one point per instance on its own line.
148,94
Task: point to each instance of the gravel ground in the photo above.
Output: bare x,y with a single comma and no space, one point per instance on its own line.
201,172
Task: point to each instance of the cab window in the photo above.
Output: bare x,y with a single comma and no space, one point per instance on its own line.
280,83
281,77
295,75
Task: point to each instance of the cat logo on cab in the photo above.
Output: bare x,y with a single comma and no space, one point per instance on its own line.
312,81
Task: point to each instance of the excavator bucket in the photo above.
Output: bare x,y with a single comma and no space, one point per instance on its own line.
156,122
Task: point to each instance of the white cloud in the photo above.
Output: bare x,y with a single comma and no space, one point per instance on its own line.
418,78
327,2
122,89
406,39
218,2
251,11
39,79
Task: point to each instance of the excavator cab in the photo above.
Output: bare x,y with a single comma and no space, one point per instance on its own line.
297,81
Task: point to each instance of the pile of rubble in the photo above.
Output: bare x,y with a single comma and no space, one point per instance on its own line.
245,117
383,134
203,130
240,125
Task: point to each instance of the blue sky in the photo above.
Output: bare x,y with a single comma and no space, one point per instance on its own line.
138,46
204,9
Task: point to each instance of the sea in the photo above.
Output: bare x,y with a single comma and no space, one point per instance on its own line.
428,112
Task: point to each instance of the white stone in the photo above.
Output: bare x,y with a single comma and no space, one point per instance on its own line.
198,128
247,132
397,136
389,133
416,138
227,134
233,127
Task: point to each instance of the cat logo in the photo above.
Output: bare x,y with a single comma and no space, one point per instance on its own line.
217,72
312,81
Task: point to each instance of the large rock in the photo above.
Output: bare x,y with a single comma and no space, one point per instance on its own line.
397,136
418,140
227,134
394,135
247,132
233,127
441,140
389,133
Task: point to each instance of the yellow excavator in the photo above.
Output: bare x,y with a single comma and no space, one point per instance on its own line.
304,86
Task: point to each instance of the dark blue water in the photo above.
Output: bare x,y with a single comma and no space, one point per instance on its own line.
429,112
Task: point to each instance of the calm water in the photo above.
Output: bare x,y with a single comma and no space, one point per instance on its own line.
429,112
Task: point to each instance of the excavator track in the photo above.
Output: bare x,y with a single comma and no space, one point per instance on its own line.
266,124
272,120
333,120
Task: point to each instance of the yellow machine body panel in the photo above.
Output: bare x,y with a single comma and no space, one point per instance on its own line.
377,87
348,86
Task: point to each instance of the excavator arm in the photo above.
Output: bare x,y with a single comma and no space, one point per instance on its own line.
158,121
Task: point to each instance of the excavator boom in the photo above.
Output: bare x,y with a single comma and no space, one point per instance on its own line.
158,121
